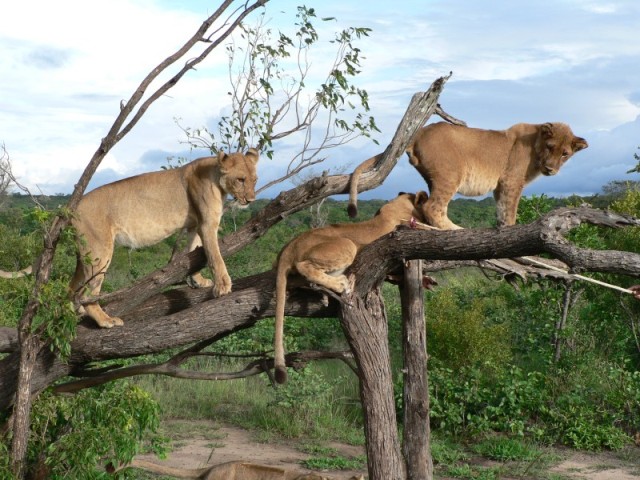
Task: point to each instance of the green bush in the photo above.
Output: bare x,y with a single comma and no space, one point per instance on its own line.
459,335
583,410
78,436
470,401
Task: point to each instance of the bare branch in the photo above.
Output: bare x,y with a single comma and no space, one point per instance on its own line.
171,368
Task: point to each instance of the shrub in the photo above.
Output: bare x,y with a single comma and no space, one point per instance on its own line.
459,334
78,436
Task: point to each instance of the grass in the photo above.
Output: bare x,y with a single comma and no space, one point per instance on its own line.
309,405
336,462
506,449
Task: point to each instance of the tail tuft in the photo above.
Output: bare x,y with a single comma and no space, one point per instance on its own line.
281,375
352,210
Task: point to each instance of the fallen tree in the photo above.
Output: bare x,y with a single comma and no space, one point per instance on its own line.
188,317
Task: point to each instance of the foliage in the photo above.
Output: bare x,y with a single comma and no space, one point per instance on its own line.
272,98
56,318
78,436
490,368
505,448
471,402
533,207
635,169
459,333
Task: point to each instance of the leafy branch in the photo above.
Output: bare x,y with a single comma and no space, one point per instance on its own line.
269,77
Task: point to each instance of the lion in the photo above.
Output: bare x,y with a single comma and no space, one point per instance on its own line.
322,255
145,209
19,274
471,161
231,471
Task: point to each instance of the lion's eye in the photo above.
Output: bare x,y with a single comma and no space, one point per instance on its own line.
565,154
240,180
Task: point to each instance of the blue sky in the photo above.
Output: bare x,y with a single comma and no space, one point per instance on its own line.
66,65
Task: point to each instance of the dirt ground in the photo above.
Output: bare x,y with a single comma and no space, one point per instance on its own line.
236,444
195,450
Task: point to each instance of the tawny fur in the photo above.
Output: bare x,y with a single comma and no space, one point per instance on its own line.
322,255
231,471
19,274
471,161
145,209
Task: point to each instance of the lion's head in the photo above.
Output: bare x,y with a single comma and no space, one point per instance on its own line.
555,144
238,175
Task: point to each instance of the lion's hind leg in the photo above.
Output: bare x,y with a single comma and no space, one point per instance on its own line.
325,263
435,209
87,281
196,280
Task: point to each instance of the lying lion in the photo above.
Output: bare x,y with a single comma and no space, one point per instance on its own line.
471,161
322,255
231,471
19,274
145,209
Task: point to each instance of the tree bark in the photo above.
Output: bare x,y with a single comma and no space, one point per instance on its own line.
416,443
183,316
365,325
29,341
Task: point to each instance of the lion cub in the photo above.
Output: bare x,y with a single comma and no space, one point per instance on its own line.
471,161
145,209
322,255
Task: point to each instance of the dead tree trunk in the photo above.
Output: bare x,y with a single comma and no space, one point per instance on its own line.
416,442
188,317
365,325
364,321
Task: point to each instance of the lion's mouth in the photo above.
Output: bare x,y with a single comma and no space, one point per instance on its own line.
240,202
549,172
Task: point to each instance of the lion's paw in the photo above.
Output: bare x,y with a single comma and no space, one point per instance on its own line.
198,281
222,286
109,322
345,285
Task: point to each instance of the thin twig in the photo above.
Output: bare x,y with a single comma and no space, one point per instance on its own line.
579,277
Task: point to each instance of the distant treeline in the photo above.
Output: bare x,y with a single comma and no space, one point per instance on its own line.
468,212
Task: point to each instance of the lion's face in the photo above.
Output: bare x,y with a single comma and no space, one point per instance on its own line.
239,175
555,144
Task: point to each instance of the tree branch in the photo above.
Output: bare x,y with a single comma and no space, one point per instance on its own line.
172,368
185,316
286,203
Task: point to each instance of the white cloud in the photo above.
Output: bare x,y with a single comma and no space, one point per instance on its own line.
66,65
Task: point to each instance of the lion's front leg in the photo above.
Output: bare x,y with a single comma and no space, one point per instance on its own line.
507,198
221,279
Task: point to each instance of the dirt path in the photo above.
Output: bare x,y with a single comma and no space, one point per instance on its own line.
199,444
599,466
226,444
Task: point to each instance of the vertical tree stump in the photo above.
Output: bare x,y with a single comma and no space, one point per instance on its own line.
365,325
417,433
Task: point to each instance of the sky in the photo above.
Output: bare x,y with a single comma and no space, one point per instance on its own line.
66,66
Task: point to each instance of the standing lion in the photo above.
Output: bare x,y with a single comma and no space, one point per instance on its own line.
145,209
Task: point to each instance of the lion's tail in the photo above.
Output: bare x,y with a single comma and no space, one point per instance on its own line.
352,208
278,340
19,274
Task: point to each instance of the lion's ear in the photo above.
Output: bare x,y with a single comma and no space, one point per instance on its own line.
421,198
253,155
221,157
578,144
547,130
